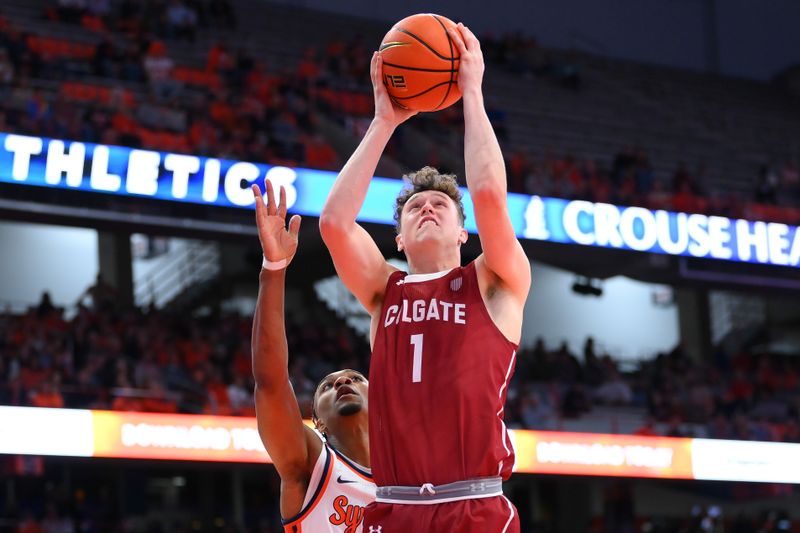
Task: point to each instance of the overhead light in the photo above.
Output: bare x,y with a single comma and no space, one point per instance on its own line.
587,286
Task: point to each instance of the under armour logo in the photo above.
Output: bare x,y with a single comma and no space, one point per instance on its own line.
427,487
477,486
373,529
400,281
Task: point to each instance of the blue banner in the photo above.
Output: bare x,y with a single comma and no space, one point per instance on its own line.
39,161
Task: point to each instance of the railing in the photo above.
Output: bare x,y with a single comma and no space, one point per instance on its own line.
191,264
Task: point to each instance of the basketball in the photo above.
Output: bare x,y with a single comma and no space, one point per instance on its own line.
420,63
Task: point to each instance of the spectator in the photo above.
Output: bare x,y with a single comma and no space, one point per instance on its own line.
643,173
535,413
53,523
47,395
241,399
659,197
623,161
6,69
615,391
309,69
99,8
319,154
576,401
766,186
101,293
45,306
29,524
675,428
158,66
681,180
648,429
181,21
158,400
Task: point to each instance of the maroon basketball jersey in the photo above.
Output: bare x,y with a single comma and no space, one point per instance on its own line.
438,379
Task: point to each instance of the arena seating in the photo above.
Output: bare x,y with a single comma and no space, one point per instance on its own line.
273,97
106,357
551,107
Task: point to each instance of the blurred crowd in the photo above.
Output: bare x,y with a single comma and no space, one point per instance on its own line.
105,357
630,179
130,90
522,55
742,396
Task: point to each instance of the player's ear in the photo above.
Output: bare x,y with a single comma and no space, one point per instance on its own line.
462,236
319,425
399,240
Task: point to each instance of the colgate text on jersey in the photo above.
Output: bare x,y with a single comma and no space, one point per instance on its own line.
425,311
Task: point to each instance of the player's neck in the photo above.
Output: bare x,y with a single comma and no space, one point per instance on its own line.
352,438
432,262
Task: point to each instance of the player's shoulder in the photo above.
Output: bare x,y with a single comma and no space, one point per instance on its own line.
348,467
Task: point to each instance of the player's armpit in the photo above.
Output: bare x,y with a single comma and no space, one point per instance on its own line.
358,261
502,252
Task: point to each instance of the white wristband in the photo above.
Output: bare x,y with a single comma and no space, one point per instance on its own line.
274,265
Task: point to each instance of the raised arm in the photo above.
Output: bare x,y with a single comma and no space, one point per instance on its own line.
359,262
292,446
486,174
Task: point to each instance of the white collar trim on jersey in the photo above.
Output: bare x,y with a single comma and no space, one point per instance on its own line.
413,278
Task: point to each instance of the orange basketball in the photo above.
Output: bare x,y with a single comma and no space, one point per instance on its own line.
420,63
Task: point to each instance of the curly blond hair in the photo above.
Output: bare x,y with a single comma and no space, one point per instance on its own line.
428,179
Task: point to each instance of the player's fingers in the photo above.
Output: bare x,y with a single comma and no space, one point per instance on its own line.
469,37
259,202
455,35
294,225
374,71
271,208
282,204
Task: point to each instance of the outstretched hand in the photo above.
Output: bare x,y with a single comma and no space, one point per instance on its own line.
385,109
277,240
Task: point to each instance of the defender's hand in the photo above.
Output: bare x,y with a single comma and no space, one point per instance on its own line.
277,240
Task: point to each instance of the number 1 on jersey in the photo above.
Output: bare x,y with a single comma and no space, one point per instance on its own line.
416,368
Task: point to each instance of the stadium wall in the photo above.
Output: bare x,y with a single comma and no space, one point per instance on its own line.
754,39
37,257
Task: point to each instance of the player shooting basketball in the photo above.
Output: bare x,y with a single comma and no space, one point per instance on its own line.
443,336
324,485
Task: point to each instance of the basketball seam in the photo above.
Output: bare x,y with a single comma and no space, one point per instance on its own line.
395,65
429,89
423,43
399,103
452,61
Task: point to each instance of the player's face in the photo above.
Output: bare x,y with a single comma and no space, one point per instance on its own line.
430,216
341,393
